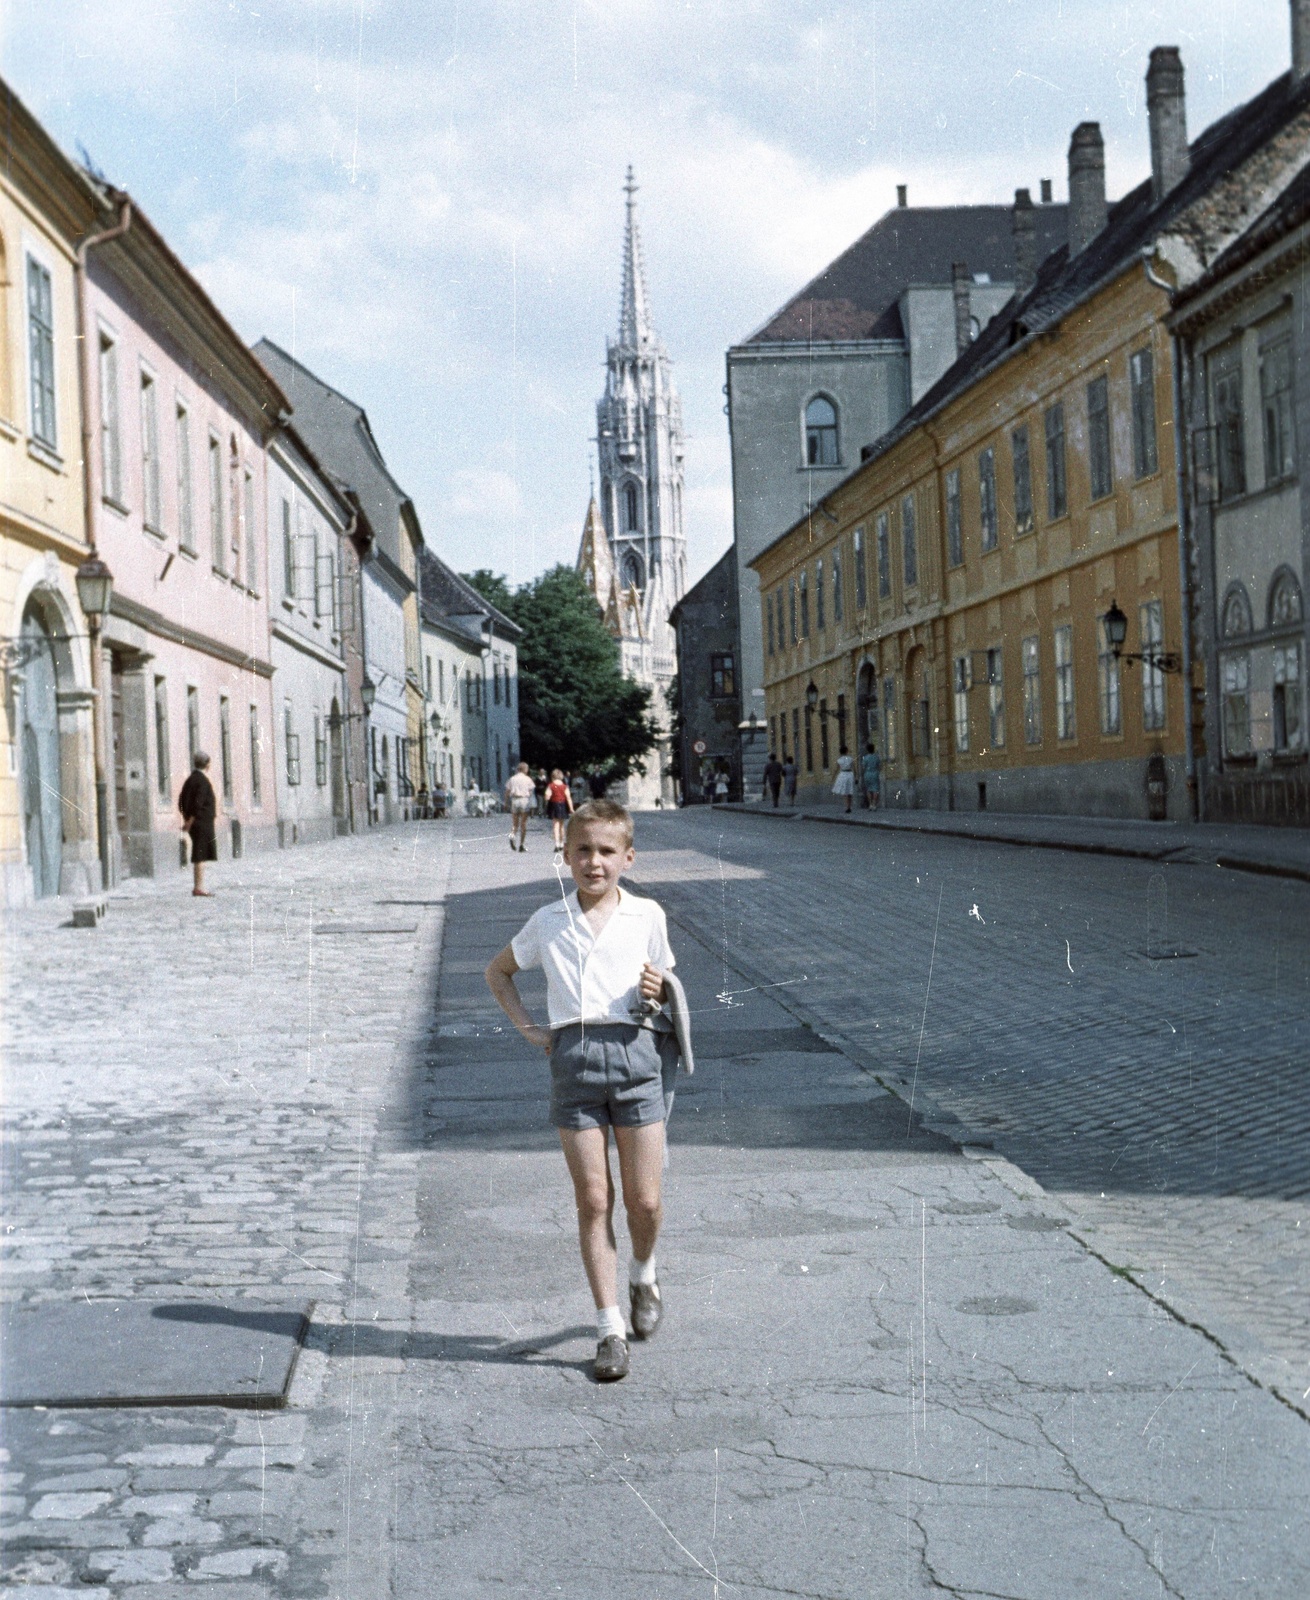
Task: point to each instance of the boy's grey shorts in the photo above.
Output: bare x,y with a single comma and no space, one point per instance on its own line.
612,1074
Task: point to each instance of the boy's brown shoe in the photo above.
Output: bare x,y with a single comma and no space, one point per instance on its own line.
611,1359
647,1309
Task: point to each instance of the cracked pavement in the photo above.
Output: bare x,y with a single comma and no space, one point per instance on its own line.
886,1366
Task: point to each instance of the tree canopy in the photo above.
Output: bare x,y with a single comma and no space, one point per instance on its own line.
577,711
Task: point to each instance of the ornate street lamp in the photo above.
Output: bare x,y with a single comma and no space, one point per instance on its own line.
95,589
368,692
1116,631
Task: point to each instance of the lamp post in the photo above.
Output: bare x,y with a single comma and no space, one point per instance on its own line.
368,693
1116,631
95,588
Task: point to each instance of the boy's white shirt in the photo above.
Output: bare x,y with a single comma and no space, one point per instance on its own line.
594,977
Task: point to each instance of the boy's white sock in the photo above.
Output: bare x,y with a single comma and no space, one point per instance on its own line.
642,1271
609,1320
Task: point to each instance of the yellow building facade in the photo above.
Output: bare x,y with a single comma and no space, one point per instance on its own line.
947,602
47,788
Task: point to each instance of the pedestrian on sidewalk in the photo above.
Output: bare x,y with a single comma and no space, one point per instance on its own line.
844,783
871,775
606,955
773,777
559,805
198,805
521,793
789,779
721,786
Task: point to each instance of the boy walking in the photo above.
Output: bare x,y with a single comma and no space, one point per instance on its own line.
521,793
605,952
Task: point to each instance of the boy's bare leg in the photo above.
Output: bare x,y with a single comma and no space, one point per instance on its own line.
641,1172
586,1152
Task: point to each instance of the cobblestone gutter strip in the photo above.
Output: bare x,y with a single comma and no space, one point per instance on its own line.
923,1107
1186,854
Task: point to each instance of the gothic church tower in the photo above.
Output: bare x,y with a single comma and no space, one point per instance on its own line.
639,448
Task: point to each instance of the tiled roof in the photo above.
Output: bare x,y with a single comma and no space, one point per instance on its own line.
447,597
855,297
1291,208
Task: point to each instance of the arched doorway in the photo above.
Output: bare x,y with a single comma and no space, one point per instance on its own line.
866,706
43,826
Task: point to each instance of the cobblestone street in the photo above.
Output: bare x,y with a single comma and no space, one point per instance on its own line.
1067,1360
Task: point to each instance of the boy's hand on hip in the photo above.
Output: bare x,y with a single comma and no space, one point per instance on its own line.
652,983
541,1037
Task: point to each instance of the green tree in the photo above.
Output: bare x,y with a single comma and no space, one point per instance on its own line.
576,709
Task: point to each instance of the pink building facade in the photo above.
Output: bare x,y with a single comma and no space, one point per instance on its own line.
180,415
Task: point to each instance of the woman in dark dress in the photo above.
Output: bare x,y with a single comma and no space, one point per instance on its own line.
198,805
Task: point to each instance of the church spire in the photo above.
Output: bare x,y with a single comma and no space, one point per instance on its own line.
635,329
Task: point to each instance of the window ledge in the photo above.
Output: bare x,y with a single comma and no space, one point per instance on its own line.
1272,486
1289,758
1100,499
826,466
189,554
45,455
116,506
9,430
154,532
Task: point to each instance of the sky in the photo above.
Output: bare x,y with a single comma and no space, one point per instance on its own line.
422,199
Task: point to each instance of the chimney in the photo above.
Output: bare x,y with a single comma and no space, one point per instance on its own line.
963,313
1086,186
901,196
1166,114
1046,191
1300,40
1025,242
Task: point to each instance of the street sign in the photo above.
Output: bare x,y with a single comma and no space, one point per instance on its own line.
700,747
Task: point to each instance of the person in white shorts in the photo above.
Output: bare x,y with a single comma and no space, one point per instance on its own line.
521,793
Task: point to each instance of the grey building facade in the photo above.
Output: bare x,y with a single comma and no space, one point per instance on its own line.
709,739
842,362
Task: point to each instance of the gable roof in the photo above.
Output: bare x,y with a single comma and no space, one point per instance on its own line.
855,296
449,601
337,431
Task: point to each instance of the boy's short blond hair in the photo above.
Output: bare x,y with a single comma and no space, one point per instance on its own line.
607,811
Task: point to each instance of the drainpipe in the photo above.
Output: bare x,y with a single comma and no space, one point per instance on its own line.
89,517
347,533
1184,549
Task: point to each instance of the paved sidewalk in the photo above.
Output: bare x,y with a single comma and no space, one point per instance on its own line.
1281,852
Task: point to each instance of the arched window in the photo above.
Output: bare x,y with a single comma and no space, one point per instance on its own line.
1237,612
821,432
630,508
634,576
1284,599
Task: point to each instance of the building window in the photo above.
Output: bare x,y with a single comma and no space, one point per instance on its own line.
723,676
111,441
151,508
235,515
1098,437
995,700
841,724
1141,379
1288,734
495,683
954,527
909,543
1237,705
1236,612
630,507
186,527
41,354
821,432
225,746
1229,426
1284,599
1276,409
288,553
791,610
796,735
217,531
320,752
1066,726
987,498
804,584
1151,622
820,596
291,741
768,617
961,691
163,774
836,584
192,722
882,538
825,754
809,740
1023,482
252,546
1032,691
325,579
861,572
889,718
1107,682
256,775
1057,482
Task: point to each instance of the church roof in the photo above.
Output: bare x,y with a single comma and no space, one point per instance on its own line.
595,562
635,328
855,296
